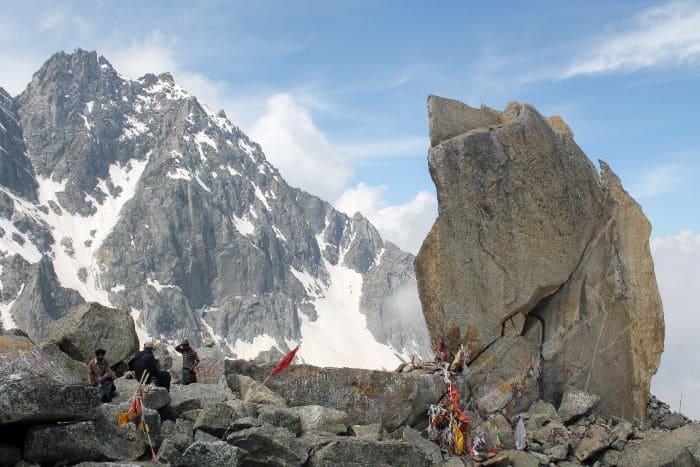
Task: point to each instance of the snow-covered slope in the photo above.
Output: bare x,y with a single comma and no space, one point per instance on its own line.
135,195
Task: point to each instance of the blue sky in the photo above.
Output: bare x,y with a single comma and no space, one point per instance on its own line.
335,92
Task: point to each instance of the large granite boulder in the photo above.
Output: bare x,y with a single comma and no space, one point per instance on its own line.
212,453
680,447
36,388
517,205
194,396
154,397
70,443
269,445
90,326
604,328
358,452
367,396
527,229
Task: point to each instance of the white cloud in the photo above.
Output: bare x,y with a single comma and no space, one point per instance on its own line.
677,264
158,54
657,181
404,224
663,35
292,142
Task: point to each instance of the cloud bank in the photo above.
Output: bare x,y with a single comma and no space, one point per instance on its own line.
404,224
677,264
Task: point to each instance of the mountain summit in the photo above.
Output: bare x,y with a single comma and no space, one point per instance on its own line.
133,194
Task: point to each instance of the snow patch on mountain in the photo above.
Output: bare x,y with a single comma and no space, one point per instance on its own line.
79,237
339,336
259,194
250,350
278,233
243,225
180,174
158,286
5,317
14,242
141,332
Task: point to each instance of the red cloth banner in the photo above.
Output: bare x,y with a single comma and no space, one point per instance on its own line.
284,363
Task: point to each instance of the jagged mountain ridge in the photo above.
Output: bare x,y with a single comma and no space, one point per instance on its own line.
133,194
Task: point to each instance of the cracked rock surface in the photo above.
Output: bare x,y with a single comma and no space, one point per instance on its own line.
529,231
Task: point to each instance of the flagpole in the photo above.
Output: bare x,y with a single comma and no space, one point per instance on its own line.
248,397
284,363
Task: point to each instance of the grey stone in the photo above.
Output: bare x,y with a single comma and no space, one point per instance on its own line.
410,435
575,403
594,441
217,418
615,301
540,407
192,397
612,457
318,418
71,443
126,442
269,445
39,298
180,433
35,388
200,435
153,397
522,458
543,430
212,453
90,326
351,451
622,431
252,391
665,448
170,454
281,417
558,452
372,431
367,396
245,423
673,421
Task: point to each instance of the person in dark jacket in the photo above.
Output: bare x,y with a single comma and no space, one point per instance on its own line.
146,361
190,360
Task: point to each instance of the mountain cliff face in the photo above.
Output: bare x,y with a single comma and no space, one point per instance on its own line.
133,194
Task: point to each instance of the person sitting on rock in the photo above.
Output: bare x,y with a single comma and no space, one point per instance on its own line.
190,360
101,375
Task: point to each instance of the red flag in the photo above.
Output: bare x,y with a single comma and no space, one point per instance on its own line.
284,363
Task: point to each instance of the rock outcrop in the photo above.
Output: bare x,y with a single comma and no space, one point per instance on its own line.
36,386
90,326
529,232
62,422
367,396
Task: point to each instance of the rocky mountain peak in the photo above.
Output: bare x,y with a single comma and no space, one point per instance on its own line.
148,201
